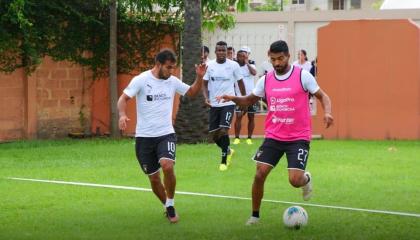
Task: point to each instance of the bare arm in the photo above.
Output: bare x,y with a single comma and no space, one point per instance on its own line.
195,88
242,101
206,93
241,86
251,69
326,105
122,106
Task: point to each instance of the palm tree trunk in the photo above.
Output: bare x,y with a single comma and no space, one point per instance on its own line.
191,122
113,84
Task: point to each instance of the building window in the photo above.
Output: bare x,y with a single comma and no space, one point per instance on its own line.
355,4
338,4
298,1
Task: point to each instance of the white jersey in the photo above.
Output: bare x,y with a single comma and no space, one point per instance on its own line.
308,82
221,79
265,67
154,100
305,66
248,79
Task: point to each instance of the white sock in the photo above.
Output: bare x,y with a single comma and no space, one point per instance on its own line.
169,202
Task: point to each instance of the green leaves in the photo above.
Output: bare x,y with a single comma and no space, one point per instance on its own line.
78,30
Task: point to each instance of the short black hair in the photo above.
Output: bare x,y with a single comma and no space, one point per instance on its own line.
230,48
279,46
205,49
221,43
165,55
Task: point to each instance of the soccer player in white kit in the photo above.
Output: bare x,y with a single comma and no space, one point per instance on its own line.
221,75
155,136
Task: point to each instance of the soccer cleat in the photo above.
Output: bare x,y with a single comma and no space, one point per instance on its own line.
236,141
252,221
229,156
223,167
171,214
307,189
249,141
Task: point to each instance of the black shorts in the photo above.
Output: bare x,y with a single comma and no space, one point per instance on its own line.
271,151
149,151
220,117
251,108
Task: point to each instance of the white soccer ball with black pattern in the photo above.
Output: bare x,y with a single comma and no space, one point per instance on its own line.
295,217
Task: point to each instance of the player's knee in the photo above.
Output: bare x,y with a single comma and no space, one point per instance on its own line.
154,179
295,181
167,165
260,176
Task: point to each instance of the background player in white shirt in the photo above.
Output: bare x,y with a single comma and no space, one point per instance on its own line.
249,71
155,136
221,75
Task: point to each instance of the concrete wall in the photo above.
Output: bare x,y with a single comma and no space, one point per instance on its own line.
45,104
298,28
374,82
301,29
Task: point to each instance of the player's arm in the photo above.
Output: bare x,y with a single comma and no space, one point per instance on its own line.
195,88
241,86
122,106
206,93
241,101
252,69
326,105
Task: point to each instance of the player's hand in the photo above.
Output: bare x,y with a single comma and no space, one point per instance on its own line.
122,123
207,102
223,98
328,120
200,69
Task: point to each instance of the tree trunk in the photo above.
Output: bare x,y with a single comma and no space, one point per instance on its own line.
191,122
113,82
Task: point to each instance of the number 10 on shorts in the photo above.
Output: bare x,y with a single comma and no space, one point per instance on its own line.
171,147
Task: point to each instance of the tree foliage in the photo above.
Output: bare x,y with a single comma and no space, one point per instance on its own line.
78,30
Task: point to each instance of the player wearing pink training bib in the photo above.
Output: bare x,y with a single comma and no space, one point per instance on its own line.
287,125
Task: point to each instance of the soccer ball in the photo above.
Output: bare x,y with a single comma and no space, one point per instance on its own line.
295,217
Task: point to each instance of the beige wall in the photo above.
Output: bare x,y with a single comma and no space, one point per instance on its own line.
258,29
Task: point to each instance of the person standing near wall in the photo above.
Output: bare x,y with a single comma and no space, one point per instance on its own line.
248,71
302,61
231,53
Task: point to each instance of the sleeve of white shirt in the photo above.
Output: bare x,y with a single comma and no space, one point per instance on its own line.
180,87
259,89
309,82
134,87
206,75
237,74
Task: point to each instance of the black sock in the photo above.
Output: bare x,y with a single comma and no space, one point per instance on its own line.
256,214
218,142
224,142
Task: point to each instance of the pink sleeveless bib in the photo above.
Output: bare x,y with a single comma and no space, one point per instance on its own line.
288,117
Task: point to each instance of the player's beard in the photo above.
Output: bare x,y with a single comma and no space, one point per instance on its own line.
162,76
280,70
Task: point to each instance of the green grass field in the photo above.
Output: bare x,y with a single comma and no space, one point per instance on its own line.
379,175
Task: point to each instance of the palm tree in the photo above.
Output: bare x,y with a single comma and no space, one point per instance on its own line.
191,122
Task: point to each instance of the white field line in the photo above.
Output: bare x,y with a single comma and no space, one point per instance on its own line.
217,196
